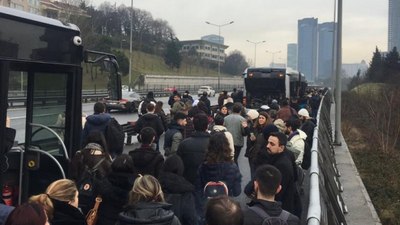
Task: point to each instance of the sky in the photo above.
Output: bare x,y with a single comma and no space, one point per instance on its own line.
365,23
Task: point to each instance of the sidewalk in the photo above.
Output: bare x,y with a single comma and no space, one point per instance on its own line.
360,208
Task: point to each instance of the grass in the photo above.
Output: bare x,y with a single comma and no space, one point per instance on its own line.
144,63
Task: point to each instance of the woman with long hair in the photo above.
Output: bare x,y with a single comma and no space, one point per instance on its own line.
146,204
219,166
60,202
28,214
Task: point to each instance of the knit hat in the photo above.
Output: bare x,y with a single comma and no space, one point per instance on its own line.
280,125
270,128
303,112
274,101
253,114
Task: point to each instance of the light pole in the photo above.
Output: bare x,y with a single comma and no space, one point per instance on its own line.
219,51
130,49
273,57
338,91
255,49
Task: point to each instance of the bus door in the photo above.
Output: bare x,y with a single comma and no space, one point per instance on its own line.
44,108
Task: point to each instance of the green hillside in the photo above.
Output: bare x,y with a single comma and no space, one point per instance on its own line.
144,63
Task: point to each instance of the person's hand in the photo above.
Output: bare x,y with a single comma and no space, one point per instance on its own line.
244,124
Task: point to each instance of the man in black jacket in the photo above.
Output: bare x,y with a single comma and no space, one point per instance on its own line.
277,155
267,185
150,119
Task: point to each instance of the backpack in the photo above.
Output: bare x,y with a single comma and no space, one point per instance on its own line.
271,220
85,184
143,107
115,137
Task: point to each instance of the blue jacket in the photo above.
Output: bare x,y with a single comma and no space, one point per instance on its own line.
227,172
95,122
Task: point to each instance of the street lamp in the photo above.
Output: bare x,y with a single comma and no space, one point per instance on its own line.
219,43
130,49
255,49
273,57
338,94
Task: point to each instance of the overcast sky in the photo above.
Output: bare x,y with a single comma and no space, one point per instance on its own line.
274,21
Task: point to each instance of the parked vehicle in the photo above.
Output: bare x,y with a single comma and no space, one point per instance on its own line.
210,91
128,103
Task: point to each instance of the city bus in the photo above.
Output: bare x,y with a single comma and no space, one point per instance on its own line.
264,84
41,66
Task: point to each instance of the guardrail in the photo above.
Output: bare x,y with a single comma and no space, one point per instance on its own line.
326,205
45,96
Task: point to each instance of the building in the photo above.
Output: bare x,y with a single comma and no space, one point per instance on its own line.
60,10
394,25
31,6
292,56
205,49
325,50
307,43
214,38
351,69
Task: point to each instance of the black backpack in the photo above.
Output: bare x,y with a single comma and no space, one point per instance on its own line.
85,184
271,220
115,137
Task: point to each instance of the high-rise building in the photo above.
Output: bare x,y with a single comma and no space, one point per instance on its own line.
292,56
307,42
394,25
325,48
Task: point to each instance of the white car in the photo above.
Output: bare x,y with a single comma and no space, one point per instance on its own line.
210,91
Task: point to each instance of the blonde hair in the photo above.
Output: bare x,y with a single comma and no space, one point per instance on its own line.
146,189
62,190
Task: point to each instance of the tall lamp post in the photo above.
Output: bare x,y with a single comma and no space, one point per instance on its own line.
130,49
338,91
255,49
219,51
273,57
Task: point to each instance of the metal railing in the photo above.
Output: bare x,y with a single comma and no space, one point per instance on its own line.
326,205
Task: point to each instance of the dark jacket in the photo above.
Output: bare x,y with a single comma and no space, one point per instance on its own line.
164,119
273,209
150,120
228,172
95,122
192,151
114,191
66,214
172,138
285,163
147,160
179,192
207,103
154,213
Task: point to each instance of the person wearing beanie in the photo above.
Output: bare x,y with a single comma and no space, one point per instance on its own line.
177,190
280,125
307,125
219,127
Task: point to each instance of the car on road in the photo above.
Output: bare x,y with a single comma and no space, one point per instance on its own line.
210,91
128,103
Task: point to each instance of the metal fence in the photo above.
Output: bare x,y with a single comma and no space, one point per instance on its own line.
326,205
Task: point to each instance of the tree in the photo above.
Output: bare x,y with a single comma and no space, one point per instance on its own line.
172,56
376,68
392,66
123,62
235,63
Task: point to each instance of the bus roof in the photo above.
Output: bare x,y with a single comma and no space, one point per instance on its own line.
21,15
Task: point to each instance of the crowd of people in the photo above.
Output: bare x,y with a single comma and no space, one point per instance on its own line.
196,179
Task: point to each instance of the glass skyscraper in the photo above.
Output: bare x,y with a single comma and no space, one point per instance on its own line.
307,41
394,25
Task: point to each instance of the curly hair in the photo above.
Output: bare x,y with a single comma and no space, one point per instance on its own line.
218,149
